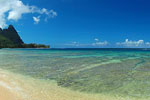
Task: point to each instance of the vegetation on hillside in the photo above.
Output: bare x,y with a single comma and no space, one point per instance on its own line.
9,38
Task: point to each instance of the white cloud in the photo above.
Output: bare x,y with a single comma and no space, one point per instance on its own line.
147,43
36,19
2,21
99,43
96,39
130,43
104,43
75,44
16,8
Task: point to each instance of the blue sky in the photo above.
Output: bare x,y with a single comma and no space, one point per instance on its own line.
83,23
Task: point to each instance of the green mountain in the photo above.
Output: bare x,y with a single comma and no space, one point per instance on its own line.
9,38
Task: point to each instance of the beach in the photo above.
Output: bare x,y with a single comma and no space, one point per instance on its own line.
7,89
14,87
74,50
17,87
41,74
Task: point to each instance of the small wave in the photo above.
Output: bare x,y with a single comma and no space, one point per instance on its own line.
5,85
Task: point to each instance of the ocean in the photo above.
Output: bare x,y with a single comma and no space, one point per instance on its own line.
98,74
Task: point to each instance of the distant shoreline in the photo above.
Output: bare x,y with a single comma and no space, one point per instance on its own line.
85,49
76,48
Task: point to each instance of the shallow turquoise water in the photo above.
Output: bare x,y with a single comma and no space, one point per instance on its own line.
124,72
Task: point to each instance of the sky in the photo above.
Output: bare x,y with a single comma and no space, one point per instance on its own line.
79,23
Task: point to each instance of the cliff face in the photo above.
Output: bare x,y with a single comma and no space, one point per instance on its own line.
9,38
12,35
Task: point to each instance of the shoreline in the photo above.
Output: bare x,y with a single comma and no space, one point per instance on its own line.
8,90
18,87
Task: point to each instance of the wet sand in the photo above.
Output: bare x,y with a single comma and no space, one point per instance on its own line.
5,94
17,87
6,91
